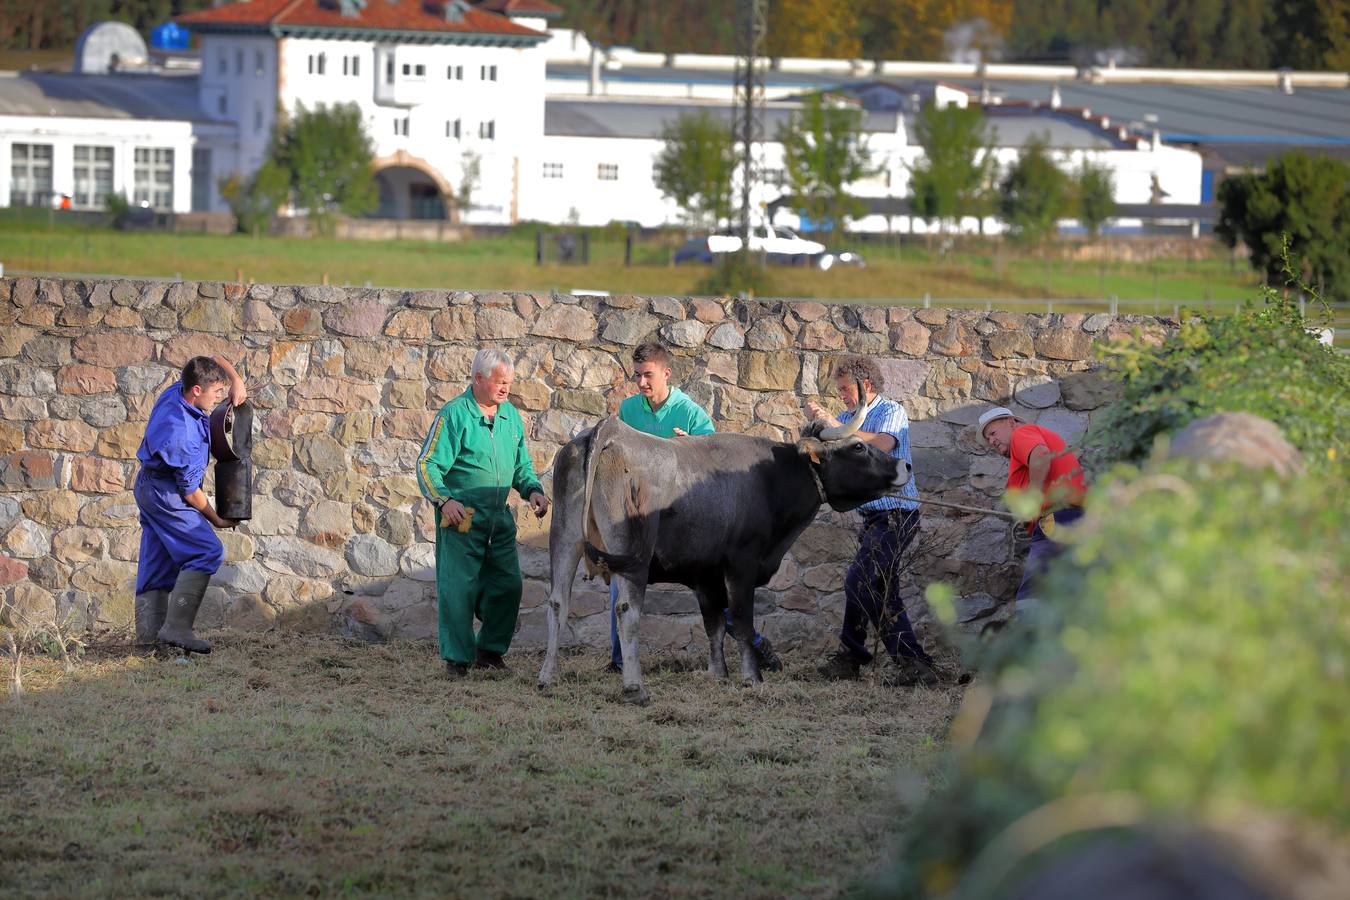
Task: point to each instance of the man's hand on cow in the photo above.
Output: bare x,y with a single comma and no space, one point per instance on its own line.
452,513
539,503
680,432
818,412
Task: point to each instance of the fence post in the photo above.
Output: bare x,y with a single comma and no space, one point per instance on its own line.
927,301
1115,305
538,248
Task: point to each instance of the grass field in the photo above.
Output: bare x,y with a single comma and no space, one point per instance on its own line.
282,765
27,243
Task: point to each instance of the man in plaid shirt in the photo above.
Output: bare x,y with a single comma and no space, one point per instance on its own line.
872,585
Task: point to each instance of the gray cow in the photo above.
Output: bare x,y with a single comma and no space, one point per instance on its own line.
715,513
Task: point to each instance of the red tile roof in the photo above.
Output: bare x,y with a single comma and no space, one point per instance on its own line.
379,15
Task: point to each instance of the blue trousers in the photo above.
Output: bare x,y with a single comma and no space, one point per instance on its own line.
1042,551
174,536
617,657
872,588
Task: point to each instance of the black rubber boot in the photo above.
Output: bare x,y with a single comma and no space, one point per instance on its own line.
184,600
150,610
769,661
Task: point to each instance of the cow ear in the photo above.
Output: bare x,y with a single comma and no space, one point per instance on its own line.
811,448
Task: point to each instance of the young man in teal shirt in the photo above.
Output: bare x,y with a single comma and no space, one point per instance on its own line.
665,411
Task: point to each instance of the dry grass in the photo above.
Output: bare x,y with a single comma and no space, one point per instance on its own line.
282,765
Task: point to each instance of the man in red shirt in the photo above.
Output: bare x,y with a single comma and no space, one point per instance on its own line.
1038,461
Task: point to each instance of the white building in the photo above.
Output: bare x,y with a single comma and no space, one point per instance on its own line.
558,131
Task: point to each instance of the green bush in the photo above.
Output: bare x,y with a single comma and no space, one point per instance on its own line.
1189,661
1192,658
1262,361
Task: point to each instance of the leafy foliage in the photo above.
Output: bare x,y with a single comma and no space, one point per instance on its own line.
1095,192
1307,199
255,199
1262,361
43,24
1190,659
1034,194
1187,663
1300,34
952,178
328,154
695,166
823,152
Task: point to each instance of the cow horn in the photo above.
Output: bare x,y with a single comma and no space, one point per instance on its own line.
850,428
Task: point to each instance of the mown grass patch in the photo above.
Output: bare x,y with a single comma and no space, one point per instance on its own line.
283,765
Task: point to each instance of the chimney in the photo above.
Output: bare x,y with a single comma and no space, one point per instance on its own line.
1055,100
1286,81
1155,140
593,83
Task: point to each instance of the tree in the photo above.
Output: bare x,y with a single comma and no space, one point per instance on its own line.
1034,194
1095,192
824,152
1303,199
254,200
329,157
694,167
812,28
469,180
952,177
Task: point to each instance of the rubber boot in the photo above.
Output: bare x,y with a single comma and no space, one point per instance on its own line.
184,600
150,610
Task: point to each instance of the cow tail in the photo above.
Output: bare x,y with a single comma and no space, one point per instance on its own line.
598,559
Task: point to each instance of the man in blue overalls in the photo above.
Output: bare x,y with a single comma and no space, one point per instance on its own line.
179,548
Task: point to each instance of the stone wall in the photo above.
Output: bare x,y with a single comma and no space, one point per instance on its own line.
346,382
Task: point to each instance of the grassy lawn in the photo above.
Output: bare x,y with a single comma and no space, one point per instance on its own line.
282,765
29,243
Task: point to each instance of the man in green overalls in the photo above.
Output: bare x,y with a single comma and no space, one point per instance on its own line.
472,458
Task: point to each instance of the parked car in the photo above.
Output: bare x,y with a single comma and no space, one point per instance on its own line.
781,246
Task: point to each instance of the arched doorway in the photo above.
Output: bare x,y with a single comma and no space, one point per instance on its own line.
410,188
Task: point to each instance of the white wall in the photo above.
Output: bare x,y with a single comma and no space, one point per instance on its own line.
123,135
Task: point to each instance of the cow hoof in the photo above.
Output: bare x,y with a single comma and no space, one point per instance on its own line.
747,681
635,694
544,685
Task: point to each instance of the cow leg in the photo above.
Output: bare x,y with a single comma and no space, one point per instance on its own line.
565,543
712,600
742,604
629,610
564,566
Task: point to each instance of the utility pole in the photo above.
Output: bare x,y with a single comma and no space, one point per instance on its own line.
747,112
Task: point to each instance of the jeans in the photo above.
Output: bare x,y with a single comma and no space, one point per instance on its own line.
872,588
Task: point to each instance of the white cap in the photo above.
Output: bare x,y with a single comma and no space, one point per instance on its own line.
998,412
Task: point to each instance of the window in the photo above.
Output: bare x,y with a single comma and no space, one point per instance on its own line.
30,172
607,172
487,130
401,126
389,70
317,63
257,116
239,62
223,105
356,65
153,177
351,65
259,64
487,73
454,73
93,176
416,72
452,129
223,62
553,170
